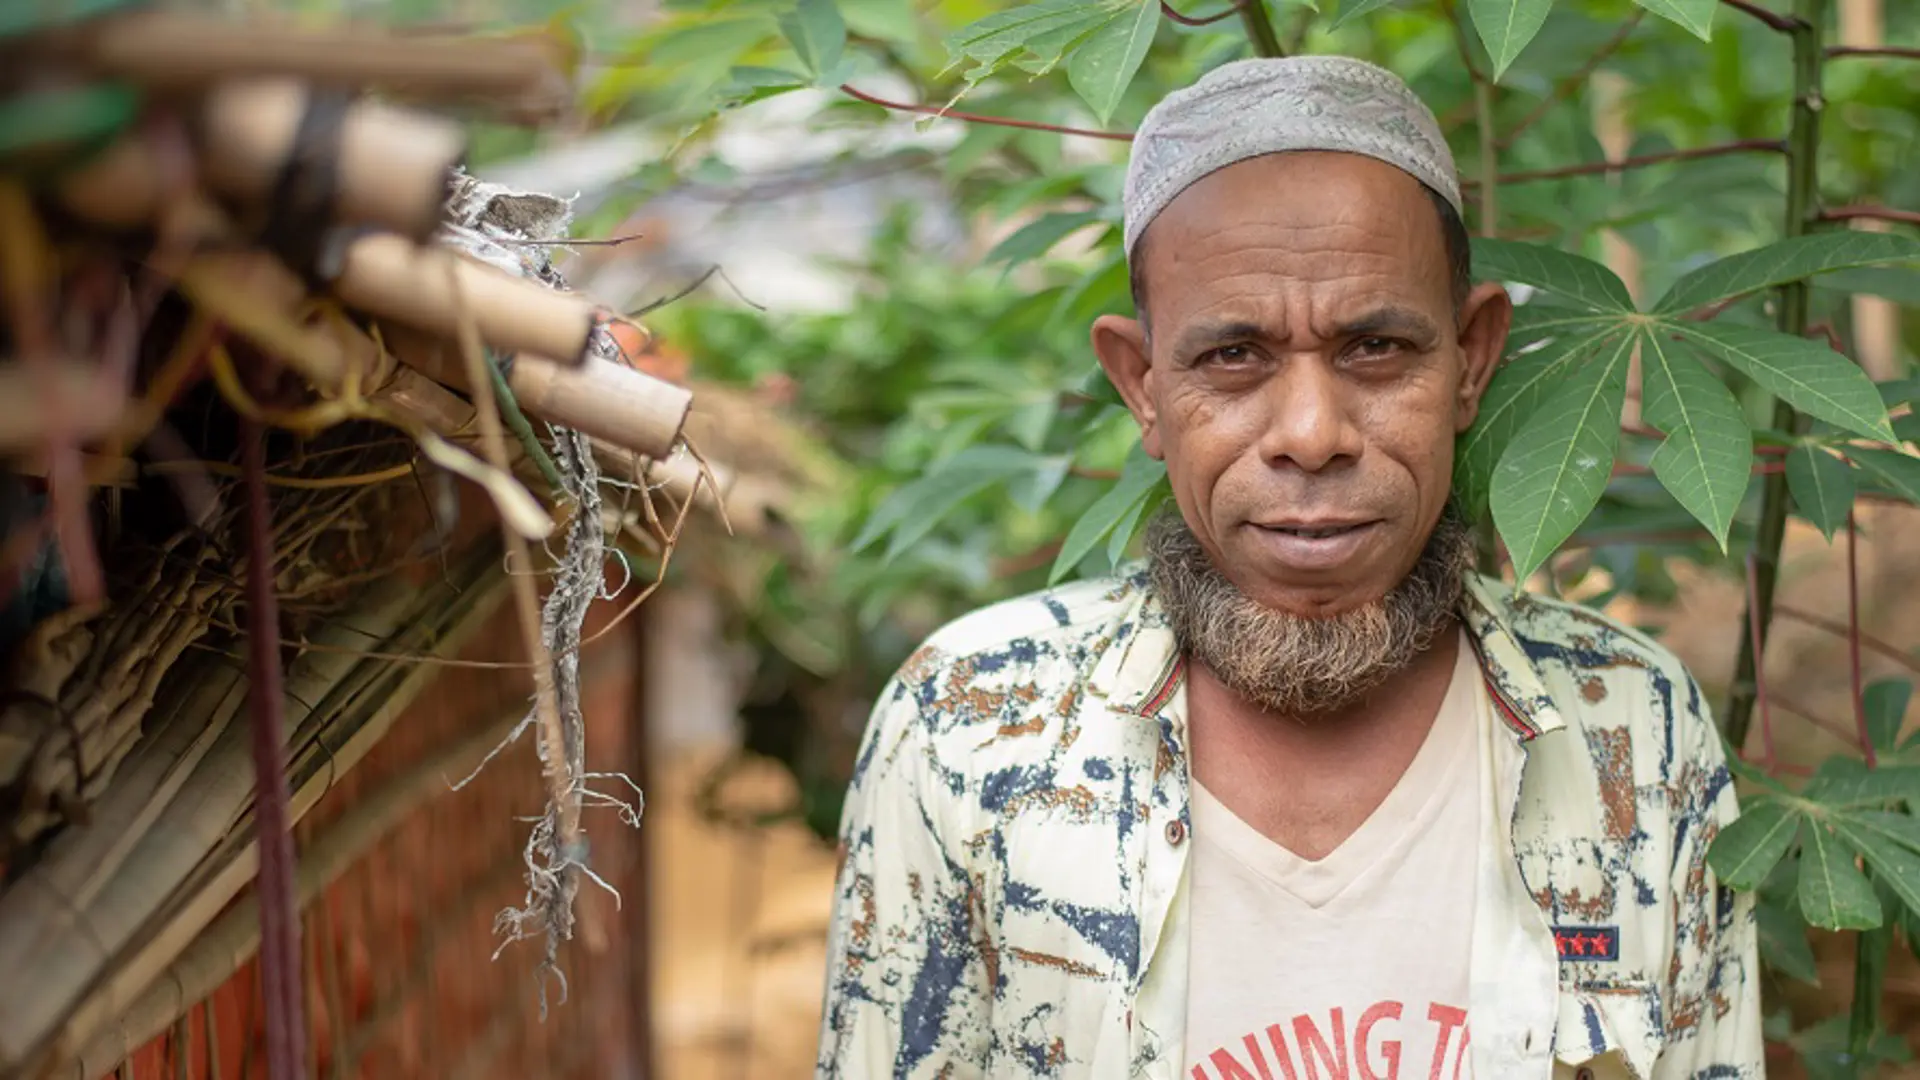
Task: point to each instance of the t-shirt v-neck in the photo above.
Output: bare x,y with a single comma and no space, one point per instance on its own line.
1442,764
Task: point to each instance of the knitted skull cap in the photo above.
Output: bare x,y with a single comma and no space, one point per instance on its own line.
1249,108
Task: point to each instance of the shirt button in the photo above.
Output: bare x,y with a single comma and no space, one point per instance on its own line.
1176,831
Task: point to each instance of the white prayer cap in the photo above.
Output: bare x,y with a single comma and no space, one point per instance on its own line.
1264,106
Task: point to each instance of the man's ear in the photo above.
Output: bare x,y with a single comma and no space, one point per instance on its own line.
1121,345
1484,321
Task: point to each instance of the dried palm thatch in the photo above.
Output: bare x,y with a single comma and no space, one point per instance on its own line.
256,315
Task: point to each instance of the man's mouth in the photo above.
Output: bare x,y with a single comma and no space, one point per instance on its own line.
1315,532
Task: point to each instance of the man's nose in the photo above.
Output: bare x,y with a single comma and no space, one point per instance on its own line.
1310,420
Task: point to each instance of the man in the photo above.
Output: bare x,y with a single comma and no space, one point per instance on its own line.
1303,799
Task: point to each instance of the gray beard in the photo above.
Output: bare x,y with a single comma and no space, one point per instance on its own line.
1295,666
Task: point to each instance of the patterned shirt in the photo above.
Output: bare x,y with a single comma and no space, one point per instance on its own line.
1011,902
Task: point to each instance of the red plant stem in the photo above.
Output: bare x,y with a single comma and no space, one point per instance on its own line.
1853,641
1782,23
1759,666
1742,146
1879,213
279,914
976,118
1835,52
1189,20
1884,648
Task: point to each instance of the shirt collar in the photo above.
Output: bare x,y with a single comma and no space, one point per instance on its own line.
1142,667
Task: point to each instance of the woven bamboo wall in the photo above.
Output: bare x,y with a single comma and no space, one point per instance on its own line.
399,976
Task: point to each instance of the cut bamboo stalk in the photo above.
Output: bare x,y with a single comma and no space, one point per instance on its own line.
112,949
602,398
231,940
388,277
449,620
178,50
389,166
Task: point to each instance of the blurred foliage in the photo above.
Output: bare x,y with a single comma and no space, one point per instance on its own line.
991,456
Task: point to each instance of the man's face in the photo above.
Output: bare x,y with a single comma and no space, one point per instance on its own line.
1306,372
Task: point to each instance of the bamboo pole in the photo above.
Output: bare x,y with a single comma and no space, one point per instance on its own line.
232,939
178,50
603,398
74,967
388,277
385,166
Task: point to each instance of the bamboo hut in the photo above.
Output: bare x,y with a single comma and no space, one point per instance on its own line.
316,470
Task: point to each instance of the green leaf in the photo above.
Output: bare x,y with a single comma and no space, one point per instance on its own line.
1901,829
1746,851
996,40
1822,486
1899,285
1805,374
1101,68
1037,237
1899,472
817,33
1707,456
1137,479
1031,490
1571,276
1783,943
1788,260
1517,388
1506,26
1834,894
913,511
1122,534
1558,465
1885,703
891,21
1895,864
1846,783
1693,16
1349,12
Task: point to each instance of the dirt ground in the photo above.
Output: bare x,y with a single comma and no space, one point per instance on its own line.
741,919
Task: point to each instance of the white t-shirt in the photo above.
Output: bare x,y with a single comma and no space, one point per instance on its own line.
1355,965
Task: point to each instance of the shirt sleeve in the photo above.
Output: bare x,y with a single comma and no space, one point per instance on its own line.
1712,1010
908,964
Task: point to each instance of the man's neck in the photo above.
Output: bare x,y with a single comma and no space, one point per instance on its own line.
1307,782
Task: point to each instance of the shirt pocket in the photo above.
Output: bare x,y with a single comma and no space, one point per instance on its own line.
1612,1027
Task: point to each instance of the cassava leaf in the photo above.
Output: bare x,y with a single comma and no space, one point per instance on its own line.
998,39
1844,783
1707,457
1510,400
1746,851
1037,237
1571,276
1354,10
817,33
1822,486
1898,472
1557,466
1834,894
1783,943
1506,26
1885,703
1138,477
1100,69
1893,863
1805,374
1693,16
1901,829
1788,260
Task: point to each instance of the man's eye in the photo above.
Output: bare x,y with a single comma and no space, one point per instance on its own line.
1228,356
1374,347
